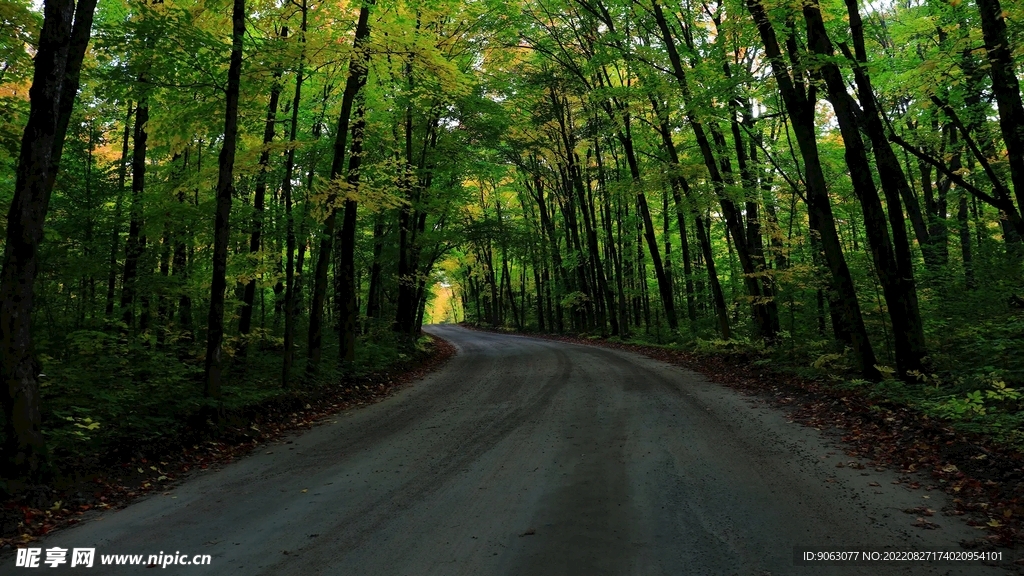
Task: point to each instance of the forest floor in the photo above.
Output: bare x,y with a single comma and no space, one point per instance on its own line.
985,480
104,481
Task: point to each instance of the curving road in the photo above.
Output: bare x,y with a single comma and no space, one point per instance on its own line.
525,456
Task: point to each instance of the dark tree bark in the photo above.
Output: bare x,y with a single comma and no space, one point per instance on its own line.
374,294
679,183
256,236
617,304
575,189
411,222
664,285
290,288
800,104
354,81
115,232
348,308
762,305
892,258
1006,87
136,242
168,248
58,63
222,223
179,267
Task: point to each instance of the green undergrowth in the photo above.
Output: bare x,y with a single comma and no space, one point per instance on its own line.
109,393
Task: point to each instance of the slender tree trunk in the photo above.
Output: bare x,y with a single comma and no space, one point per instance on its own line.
355,80
718,170
644,212
679,183
179,267
373,297
965,241
222,224
800,104
891,257
348,307
115,233
256,236
136,242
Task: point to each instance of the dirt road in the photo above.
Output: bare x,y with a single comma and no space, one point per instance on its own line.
524,456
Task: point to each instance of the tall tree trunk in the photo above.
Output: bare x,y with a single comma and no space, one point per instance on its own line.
892,258
374,294
179,267
617,301
348,308
290,305
165,306
58,62
965,241
222,223
256,236
1006,87
115,232
136,242
355,80
679,183
412,222
800,104
718,169
644,212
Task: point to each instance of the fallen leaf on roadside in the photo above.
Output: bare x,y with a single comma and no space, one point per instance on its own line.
922,510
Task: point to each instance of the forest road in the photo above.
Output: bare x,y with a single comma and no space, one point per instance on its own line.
525,456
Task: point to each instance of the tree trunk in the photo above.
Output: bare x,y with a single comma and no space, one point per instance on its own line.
355,80
678,182
1007,90
222,223
58,62
800,105
348,308
374,294
290,305
256,236
760,303
136,242
891,257
115,233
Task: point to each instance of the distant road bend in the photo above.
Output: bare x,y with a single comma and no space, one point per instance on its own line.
526,456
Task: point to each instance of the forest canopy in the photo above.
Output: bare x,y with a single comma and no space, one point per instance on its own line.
211,201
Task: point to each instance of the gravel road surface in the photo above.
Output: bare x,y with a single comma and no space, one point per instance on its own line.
525,456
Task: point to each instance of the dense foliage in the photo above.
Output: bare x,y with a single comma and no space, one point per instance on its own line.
231,197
